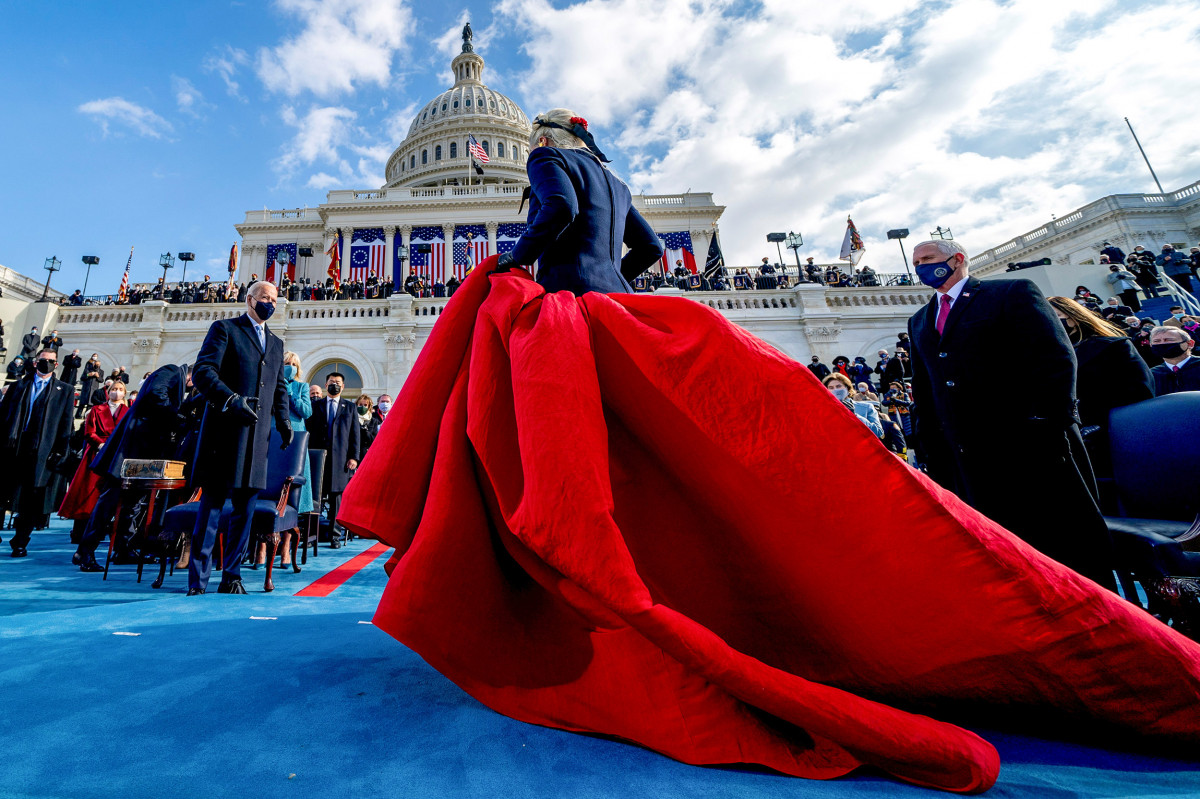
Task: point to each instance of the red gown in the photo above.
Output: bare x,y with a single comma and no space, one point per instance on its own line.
85,486
614,514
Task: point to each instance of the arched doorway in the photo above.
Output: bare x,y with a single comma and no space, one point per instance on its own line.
354,381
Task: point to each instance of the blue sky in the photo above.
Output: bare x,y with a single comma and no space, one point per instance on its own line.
159,125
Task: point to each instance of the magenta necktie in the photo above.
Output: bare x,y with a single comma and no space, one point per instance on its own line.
943,312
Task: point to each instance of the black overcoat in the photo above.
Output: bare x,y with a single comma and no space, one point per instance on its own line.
999,425
1186,379
50,428
231,454
93,378
342,443
1110,375
150,427
70,369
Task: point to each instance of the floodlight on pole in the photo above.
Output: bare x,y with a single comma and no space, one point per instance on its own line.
185,257
900,234
90,260
778,238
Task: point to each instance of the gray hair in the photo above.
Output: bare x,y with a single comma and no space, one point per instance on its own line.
558,137
1169,329
257,288
948,248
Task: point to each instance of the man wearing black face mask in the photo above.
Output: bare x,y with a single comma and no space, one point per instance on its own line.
1180,369
35,430
239,372
333,427
1039,482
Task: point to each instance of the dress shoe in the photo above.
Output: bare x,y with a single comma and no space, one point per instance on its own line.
76,559
255,566
129,558
335,544
19,552
295,567
195,591
90,565
231,587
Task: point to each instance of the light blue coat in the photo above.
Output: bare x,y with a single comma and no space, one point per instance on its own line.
299,409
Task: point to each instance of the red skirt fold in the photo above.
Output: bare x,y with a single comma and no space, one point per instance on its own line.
622,514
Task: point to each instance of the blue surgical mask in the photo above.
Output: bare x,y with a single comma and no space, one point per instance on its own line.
289,371
1178,315
264,309
935,274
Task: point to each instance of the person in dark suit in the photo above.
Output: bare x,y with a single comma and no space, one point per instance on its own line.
35,422
1022,463
149,430
52,341
70,368
1110,374
93,377
334,428
579,214
239,372
1180,369
820,370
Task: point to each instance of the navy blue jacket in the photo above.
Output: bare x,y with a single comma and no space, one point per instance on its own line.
231,454
579,214
151,426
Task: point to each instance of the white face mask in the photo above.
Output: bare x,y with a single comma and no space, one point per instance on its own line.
841,392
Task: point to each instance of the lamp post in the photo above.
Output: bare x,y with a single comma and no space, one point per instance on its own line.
794,242
51,266
281,258
305,253
941,233
900,234
185,257
90,260
166,261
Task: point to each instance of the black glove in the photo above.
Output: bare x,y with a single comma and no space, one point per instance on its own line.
285,433
243,409
504,263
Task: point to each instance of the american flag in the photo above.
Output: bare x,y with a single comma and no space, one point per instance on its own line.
429,264
507,235
367,252
123,292
678,247
289,251
476,150
469,251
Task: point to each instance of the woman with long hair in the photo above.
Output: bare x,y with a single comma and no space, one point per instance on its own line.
547,480
1110,375
97,427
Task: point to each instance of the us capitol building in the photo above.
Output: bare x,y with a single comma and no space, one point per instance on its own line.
433,214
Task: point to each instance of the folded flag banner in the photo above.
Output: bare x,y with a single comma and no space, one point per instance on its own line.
430,264
368,249
852,244
335,261
677,246
273,251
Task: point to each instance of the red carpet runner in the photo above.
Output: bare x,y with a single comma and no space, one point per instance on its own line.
328,583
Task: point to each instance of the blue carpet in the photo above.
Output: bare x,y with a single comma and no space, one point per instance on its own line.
311,702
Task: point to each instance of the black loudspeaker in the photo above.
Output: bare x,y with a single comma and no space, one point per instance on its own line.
306,252
91,259
425,248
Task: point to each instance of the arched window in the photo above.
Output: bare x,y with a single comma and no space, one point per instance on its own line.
499,149
468,102
350,375
456,103
412,164
424,157
437,153
443,108
454,149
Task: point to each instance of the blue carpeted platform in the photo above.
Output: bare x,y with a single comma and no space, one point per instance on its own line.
311,702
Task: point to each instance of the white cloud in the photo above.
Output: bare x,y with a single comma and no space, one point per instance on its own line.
982,115
226,63
328,139
342,42
188,98
119,111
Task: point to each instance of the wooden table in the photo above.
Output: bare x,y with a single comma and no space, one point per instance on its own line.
154,485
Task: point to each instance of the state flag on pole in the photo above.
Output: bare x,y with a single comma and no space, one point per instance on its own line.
368,248
335,261
233,263
852,245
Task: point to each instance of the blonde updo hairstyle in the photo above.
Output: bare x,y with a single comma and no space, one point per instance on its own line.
293,359
558,137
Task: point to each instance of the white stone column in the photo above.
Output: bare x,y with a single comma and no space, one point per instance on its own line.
448,232
405,249
492,228
389,257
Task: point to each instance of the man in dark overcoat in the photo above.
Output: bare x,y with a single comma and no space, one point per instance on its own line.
93,377
1015,456
149,430
70,368
333,427
35,432
239,372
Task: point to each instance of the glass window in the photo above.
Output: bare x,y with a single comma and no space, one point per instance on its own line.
412,164
486,151
500,149
456,103
443,108
353,380
492,105
454,149
437,153
424,157
468,101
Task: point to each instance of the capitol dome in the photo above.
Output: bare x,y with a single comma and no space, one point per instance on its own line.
434,153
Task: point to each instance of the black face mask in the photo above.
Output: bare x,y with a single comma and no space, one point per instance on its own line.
334,389
1171,349
45,367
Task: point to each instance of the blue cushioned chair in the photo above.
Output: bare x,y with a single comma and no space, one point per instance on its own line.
275,510
1155,447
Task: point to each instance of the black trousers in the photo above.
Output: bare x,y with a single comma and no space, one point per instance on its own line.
335,532
29,509
99,524
204,534
1130,298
